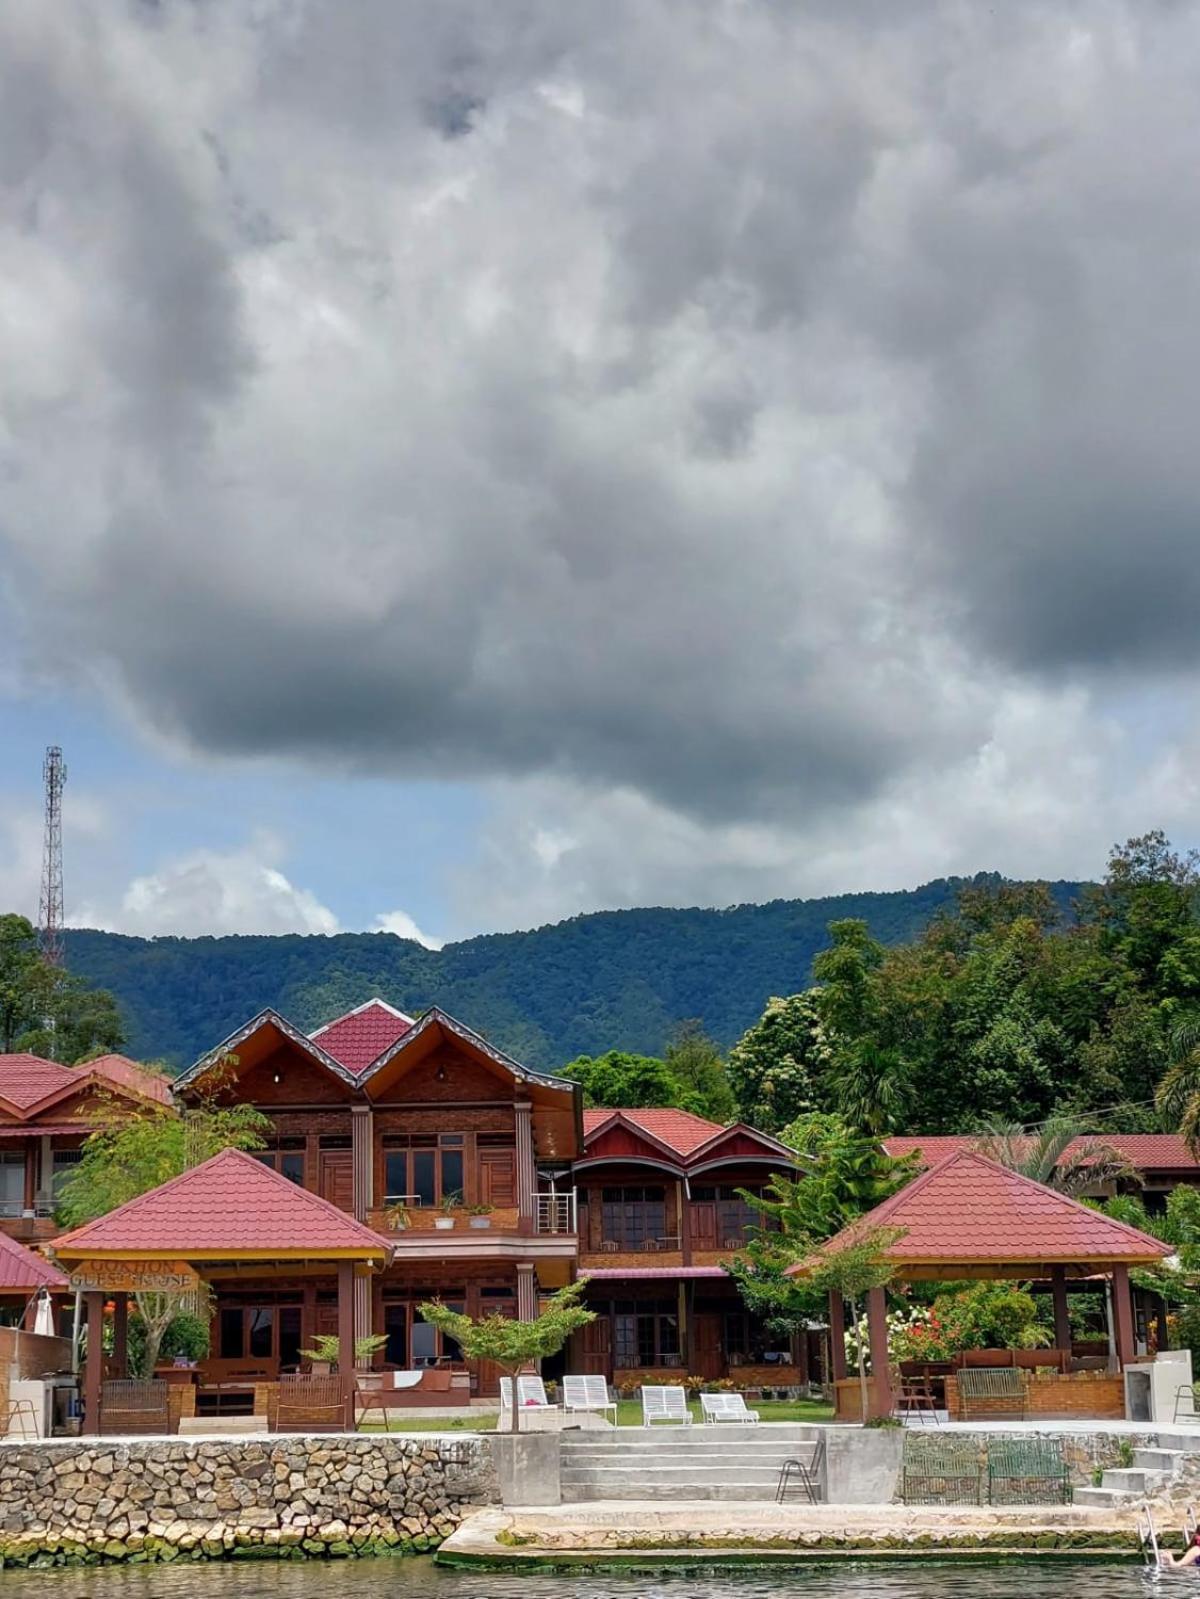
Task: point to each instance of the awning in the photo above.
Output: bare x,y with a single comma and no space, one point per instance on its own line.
647,1273
42,1129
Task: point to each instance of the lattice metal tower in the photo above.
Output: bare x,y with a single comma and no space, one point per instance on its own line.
50,906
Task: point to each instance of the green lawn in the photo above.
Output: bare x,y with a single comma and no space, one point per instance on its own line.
629,1414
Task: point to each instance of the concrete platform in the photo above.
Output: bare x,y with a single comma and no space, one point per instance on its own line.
631,1533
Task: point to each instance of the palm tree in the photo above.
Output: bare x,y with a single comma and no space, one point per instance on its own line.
1178,1095
1059,1154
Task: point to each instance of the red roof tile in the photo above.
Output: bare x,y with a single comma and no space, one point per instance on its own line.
125,1073
968,1209
357,1039
680,1130
21,1269
24,1079
232,1204
1146,1151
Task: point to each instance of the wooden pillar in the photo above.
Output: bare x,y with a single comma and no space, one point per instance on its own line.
1163,1339
363,1157
685,1222
837,1337
93,1371
527,1291
681,1312
1062,1311
1122,1315
29,1200
879,1395
345,1310
308,1313
526,1168
121,1335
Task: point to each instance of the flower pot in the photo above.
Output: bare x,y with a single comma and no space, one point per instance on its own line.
443,1223
480,1221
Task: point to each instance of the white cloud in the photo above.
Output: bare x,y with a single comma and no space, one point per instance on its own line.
210,891
402,924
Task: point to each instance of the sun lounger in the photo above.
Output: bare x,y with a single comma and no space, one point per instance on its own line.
725,1407
665,1404
588,1394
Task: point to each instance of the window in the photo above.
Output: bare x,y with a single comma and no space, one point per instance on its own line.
261,1332
645,1334
231,1344
287,1158
424,1343
424,1171
12,1184
63,1163
748,1342
290,1337
395,1328
631,1217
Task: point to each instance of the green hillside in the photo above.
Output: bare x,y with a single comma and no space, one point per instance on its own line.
611,980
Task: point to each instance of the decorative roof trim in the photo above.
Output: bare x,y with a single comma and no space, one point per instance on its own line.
743,1160
434,1016
590,1162
265,1018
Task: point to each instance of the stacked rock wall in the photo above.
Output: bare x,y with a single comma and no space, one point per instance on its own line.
255,1497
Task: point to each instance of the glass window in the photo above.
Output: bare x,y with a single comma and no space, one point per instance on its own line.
395,1327
631,1217
231,1345
63,1163
424,1343
12,1180
423,1176
452,1172
262,1332
292,1167
289,1336
395,1180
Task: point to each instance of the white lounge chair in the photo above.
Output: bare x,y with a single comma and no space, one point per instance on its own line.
531,1393
587,1393
665,1404
725,1407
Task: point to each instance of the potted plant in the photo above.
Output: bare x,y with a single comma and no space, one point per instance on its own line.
480,1216
450,1203
396,1216
326,1348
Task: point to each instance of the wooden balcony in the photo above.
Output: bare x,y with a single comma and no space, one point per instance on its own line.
422,1220
30,1229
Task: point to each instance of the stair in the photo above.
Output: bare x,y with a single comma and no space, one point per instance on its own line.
1151,1470
697,1462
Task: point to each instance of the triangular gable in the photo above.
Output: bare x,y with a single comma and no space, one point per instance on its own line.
968,1210
620,1137
87,1081
742,1142
265,1018
230,1206
359,1037
433,1019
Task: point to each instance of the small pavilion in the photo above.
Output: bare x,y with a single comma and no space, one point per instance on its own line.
969,1217
229,1216
23,1276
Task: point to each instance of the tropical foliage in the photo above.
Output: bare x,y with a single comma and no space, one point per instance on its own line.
986,1316
44,1009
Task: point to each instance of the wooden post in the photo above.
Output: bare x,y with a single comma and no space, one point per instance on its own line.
526,1167
1062,1312
527,1291
93,1372
837,1337
121,1335
1160,1319
345,1312
879,1394
1122,1316
29,1201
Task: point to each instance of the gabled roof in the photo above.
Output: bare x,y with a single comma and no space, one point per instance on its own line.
26,1079
21,1270
967,1210
436,1018
127,1074
29,1084
265,1018
1146,1151
231,1206
360,1037
678,1131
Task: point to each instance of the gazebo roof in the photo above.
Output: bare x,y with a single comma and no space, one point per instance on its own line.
231,1207
22,1270
969,1216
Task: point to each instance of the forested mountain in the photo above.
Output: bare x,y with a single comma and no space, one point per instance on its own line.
610,980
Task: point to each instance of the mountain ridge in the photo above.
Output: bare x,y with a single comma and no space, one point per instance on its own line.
616,979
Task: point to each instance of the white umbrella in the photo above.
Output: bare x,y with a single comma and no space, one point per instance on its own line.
43,1321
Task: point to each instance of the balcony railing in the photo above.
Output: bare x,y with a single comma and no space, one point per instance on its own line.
555,1213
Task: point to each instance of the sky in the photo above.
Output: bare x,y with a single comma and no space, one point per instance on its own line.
467,464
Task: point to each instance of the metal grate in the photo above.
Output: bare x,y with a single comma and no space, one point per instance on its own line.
1027,1471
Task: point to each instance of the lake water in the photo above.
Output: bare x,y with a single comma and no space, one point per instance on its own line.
421,1579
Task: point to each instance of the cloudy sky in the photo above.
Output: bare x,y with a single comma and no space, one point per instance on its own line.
466,463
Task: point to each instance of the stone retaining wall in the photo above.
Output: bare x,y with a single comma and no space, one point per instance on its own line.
268,1497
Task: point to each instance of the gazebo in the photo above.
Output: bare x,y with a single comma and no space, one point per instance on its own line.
23,1275
969,1217
218,1220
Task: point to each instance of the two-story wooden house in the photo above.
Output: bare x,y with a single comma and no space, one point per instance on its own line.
661,1206
430,1135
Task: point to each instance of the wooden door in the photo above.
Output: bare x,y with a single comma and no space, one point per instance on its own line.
337,1177
497,1180
486,1373
595,1346
703,1220
708,1356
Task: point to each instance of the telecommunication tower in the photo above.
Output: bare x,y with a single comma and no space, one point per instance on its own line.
50,906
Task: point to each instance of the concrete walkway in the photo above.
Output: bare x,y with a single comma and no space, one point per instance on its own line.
629,1532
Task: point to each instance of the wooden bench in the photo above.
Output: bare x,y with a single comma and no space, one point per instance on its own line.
992,1391
310,1404
129,1407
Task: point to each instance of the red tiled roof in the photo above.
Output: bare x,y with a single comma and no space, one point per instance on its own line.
680,1130
650,1273
1146,1151
125,1073
231,1205
357,1039
24,1079
968,1209
22,1269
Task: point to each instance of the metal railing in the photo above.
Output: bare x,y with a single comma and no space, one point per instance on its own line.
555,1213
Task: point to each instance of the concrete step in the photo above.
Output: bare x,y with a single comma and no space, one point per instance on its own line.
1109,1497
1132,1480
1168,1460
584,1493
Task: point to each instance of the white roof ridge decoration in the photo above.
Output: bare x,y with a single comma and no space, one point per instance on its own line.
435,1015
357,1010
272,1017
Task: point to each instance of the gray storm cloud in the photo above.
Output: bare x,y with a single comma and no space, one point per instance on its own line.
720,402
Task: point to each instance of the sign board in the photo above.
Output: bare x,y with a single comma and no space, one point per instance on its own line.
135,1277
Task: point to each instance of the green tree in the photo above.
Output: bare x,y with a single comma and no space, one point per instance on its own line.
1060,1154
130,1155
513,1345
27,983
46,1010
84,1023
852,1270
776,1064
697,1065
619,1079
846,1174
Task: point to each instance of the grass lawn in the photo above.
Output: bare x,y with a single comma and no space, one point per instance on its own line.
629,1414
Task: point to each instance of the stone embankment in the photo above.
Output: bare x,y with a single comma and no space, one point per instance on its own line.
143,1500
